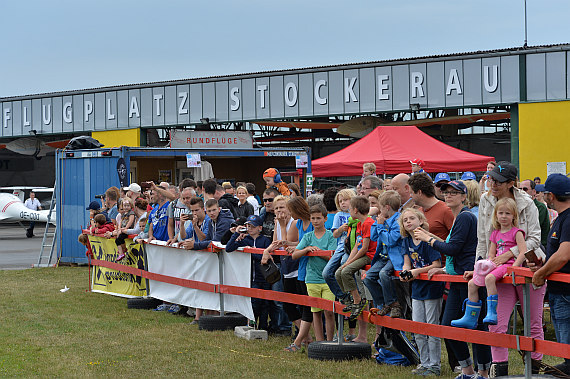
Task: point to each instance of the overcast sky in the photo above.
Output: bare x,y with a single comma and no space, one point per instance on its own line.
49,46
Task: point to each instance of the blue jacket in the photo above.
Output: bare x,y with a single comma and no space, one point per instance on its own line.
462,242
260,242
216,230
391,240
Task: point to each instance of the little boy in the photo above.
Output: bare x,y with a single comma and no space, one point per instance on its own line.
367,170
101,225
142,235
360,256
388,257
319,239
339,230
272,179
254,238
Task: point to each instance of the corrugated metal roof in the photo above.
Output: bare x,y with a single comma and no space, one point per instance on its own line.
495,52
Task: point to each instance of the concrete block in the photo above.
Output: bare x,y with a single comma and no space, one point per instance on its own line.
250,333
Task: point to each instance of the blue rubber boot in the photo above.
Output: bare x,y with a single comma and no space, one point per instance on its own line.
469,319
491,317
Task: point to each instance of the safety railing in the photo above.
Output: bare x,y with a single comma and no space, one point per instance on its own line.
516,276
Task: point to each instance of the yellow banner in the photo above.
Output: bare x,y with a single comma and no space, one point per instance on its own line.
112,281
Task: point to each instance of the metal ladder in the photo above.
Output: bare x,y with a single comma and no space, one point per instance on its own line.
49,238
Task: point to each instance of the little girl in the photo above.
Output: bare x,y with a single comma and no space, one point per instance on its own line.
426,296
127,221
487,271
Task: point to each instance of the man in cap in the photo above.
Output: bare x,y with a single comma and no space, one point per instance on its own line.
417,166
468,175
557,195
440,179
133,191
254,238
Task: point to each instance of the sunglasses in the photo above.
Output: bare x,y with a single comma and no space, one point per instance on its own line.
526,189
268,200
451,193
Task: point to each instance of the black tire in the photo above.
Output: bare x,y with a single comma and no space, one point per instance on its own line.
225,322
329,351
143,303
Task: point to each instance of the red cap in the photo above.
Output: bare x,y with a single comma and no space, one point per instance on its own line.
417,161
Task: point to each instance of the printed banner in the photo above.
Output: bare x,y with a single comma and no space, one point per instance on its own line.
114,282
187,139
203,267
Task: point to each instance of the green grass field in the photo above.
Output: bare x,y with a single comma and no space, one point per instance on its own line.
48,333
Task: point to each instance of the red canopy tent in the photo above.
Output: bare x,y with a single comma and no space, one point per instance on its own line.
391,148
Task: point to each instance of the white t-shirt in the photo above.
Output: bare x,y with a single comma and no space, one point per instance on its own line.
253,201
33,204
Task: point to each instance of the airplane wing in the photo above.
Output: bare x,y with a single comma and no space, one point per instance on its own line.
34,146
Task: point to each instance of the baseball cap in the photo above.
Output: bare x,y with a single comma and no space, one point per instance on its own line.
239,221
417,161
134,187
539,188
468,175
94,205
557,184
459,186
442,176
254,220
503,172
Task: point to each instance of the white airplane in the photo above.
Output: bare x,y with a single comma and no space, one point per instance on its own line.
12,208
34,146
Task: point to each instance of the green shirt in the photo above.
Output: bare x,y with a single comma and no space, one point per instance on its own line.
543,220
316,265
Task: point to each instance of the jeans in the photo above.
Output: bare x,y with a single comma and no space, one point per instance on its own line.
508,296
429,347
260,306
277,313
560,314
292,310
379,282
453,311
329,272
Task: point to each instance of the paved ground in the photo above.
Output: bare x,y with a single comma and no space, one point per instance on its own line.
17,251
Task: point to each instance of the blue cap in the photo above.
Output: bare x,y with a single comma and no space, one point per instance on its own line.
557,184
539,188
468,175
94,205
254,220
459,186
442,176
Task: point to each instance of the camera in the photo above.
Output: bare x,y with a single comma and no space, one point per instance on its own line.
242,229
100,196
406,275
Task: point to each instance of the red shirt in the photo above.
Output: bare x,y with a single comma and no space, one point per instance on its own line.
363,231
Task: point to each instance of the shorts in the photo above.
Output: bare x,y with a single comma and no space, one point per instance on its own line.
320,290
500,272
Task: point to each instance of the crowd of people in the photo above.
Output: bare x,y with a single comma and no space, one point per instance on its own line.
412,224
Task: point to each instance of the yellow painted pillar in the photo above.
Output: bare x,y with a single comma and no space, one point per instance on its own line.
118,138
544,136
